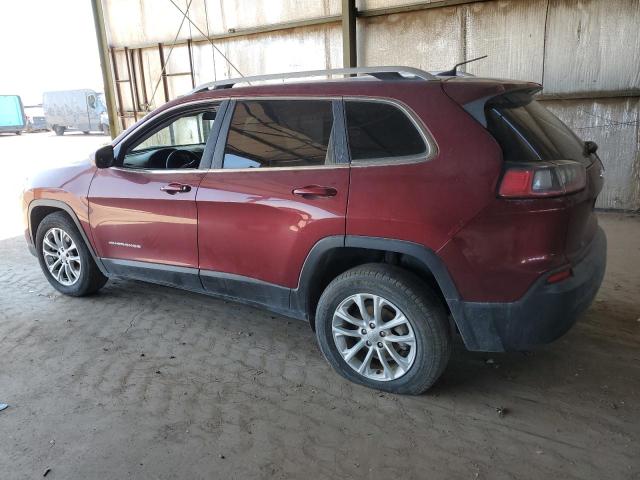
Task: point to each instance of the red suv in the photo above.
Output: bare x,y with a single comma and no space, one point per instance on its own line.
390,209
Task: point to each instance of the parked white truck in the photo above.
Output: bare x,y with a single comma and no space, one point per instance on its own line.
82,110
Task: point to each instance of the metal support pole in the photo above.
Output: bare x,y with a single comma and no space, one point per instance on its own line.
134,79
349,46
105,66
193,77
143,82
118,88
165,84
131,85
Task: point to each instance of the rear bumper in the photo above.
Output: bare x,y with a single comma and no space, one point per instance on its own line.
543,314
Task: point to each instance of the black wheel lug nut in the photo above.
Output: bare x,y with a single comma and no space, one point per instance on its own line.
382,334
372,325
379,344
368,343
363,331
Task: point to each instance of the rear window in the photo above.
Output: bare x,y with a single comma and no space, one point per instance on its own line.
528,132
381,131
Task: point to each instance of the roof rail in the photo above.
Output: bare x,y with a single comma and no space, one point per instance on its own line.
381,73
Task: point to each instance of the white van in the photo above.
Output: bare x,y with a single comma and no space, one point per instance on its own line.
82,110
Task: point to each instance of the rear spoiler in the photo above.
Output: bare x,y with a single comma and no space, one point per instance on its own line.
473,94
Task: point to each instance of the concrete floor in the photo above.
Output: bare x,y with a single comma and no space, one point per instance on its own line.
148,382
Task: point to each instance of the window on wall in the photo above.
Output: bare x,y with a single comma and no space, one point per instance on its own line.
381,131
280,133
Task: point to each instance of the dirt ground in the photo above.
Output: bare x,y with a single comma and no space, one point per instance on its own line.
142,381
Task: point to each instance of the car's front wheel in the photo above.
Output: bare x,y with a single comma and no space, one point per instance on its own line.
64,257
382,327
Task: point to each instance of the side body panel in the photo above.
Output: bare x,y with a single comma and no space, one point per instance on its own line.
68,185
132,219
499,254
251,224
427,202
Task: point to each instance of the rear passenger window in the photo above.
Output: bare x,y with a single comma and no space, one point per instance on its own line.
280,133
381,131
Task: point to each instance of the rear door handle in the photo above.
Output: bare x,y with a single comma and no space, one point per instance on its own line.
315,191
174,188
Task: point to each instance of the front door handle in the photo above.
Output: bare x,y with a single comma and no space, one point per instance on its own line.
174,188
315,191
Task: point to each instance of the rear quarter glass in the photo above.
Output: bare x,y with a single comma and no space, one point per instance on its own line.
528,132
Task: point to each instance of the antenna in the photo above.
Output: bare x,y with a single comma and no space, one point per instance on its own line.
454,71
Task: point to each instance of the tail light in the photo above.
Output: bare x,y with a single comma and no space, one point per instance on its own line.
544,179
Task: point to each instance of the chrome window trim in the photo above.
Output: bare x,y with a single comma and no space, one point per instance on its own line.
430,143
432,147
273,169
232,170
159,170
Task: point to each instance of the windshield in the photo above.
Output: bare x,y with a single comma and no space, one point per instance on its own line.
102,103
528,132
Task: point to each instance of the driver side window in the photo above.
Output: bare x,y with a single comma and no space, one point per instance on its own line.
176,144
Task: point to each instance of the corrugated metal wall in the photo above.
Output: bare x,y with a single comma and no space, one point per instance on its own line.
586,53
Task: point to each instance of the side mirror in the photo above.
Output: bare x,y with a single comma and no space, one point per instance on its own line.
590,147
104,158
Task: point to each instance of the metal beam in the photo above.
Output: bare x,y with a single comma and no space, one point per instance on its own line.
143,82
131,85
116,76
165,84
134,79
414,7
349,45
105,66
193,76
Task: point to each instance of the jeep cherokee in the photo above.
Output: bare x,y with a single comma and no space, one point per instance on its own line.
391,209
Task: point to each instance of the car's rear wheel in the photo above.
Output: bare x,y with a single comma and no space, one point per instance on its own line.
59,130
65,259
382,327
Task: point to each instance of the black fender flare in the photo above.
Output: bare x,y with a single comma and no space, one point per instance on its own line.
69,211
300,296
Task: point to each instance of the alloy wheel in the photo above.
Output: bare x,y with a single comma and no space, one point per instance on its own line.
374,337
61,256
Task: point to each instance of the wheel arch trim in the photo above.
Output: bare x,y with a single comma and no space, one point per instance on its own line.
72,214
301,296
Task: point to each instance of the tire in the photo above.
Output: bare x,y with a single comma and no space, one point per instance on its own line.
86,132
18,132
401,294
59,130
88,278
